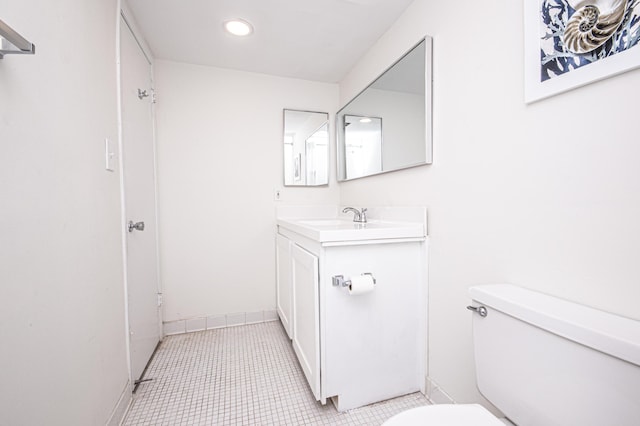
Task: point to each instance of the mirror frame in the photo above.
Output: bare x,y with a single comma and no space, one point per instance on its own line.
428,122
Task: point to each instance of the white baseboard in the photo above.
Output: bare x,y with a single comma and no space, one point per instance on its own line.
436,395
211,322
120,410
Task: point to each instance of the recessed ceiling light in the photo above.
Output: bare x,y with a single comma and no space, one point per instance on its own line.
238,27
365,120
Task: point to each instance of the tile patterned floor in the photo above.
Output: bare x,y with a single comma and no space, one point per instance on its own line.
246,375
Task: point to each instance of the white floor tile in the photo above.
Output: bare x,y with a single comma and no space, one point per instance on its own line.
246,375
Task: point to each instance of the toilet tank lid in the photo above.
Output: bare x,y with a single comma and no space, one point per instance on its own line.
612,334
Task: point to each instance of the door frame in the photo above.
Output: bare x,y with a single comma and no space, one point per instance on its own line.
125,17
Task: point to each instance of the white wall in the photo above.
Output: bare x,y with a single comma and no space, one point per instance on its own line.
546,196
62,331
220,158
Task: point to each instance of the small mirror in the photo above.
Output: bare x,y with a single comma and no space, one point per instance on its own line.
388,125
306,148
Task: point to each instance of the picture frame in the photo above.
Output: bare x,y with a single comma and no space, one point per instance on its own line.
557,42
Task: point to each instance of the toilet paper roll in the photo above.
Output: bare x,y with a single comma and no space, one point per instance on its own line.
361,284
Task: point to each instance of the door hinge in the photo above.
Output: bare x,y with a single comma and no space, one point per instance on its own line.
153,96
159,299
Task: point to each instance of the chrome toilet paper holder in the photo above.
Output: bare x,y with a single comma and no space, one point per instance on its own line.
339,281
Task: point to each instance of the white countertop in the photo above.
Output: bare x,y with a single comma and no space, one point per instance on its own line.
336,229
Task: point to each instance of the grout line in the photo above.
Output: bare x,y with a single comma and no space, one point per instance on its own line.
246,374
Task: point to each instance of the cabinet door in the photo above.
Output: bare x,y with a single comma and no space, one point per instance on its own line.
284,285
306,321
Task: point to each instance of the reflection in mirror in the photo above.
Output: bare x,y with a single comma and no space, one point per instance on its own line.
363,148
306,148
401,97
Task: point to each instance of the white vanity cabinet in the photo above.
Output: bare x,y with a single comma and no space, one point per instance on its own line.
298,311
284,295
355,349
306,319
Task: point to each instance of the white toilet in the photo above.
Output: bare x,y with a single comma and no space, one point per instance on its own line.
544,361
445,415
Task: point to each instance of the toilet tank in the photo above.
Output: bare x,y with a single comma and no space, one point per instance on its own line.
544,361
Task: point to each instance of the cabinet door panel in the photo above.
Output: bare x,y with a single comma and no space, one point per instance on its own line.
306,327
284,284
373,342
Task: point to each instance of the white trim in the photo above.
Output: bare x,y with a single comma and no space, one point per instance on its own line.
122,407
436,395
155,188
123,217
213,322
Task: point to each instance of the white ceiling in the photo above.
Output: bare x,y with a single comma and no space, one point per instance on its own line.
317,40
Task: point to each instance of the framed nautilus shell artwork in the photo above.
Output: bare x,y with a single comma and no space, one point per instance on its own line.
570,43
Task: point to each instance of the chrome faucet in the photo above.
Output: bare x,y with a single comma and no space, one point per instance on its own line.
358,216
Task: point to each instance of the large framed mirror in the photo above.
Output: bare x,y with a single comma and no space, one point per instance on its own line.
387,126
306,148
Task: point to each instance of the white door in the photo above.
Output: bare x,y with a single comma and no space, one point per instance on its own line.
138,161
306,316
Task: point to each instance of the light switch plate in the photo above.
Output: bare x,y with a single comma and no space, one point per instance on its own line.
109,155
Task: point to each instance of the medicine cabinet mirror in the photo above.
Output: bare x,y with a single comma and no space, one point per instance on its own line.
306,148
388,125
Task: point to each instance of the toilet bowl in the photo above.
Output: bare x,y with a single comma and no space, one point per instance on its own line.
445,415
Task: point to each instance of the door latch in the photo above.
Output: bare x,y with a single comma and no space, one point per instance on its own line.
480,310
138,226
142,94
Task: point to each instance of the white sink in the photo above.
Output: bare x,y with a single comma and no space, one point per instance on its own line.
336,230
325,222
